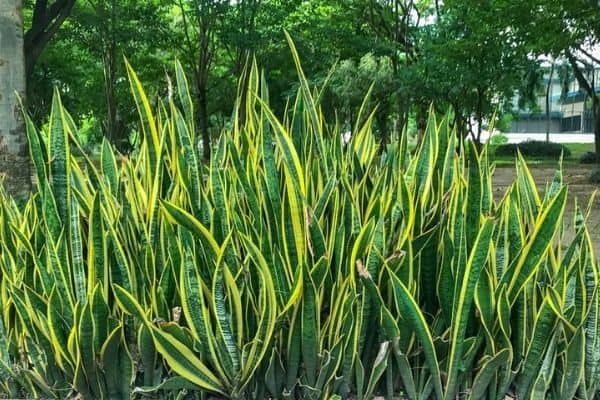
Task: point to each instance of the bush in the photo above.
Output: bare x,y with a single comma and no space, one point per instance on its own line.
590,157
498,138
290,266
503,124
534,148
595,177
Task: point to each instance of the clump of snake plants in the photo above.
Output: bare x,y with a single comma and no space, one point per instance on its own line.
291,265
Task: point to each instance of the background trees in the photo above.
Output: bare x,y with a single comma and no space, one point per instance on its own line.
47,16
567,29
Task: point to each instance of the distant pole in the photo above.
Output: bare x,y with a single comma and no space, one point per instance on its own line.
548,88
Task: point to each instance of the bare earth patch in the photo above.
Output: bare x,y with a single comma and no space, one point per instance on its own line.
579,188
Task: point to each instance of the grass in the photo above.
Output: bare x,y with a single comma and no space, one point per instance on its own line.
577,150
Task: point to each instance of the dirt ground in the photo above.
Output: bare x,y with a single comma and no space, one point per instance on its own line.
579,188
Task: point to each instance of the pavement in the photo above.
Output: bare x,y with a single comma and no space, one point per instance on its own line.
554,137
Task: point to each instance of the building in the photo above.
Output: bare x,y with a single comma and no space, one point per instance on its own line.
570,112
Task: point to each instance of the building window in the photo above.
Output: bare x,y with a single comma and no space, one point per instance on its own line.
571,124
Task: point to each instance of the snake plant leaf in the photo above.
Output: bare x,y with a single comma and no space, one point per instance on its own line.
109,167
149,126
379,366
227,347
175,383
409,310
425,161
545,321
189,161
58,331
530,197
487,372
310,330
265,327
294,352
185,97
97,249
474,196
193,304
60,268
148,355
514,228
310,103
59,162
185,363
317,245
542,382
188,221
217,191
38,151
176,354
78,267
274,375
475,264
535,249
574,366
128,303
86,330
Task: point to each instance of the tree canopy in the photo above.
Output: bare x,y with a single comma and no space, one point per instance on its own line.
467,56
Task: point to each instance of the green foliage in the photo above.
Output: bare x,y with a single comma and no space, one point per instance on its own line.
467,56
498,139
595,176
503,124
589,157
534,148
350,81
85,61
290,266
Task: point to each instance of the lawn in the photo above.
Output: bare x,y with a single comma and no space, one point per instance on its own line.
577,151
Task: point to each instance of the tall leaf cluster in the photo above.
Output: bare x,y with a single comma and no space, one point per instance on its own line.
292,265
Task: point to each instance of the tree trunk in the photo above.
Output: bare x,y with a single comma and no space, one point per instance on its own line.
14,155
203,121
479,117
421,122
46,20
114,128
589,88
401,123
596,122
548,86
382,123
109,61
244,78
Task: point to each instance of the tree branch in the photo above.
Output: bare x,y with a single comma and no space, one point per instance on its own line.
579,75
590,56
45,23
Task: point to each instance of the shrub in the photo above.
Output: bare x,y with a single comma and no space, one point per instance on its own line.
504,122
290,266
534,148
498,138
590,157
595,176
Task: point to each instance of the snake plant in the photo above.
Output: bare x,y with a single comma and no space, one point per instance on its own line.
292,265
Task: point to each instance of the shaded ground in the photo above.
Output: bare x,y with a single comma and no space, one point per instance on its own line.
575,177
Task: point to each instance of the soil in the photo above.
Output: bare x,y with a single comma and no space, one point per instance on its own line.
576,177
